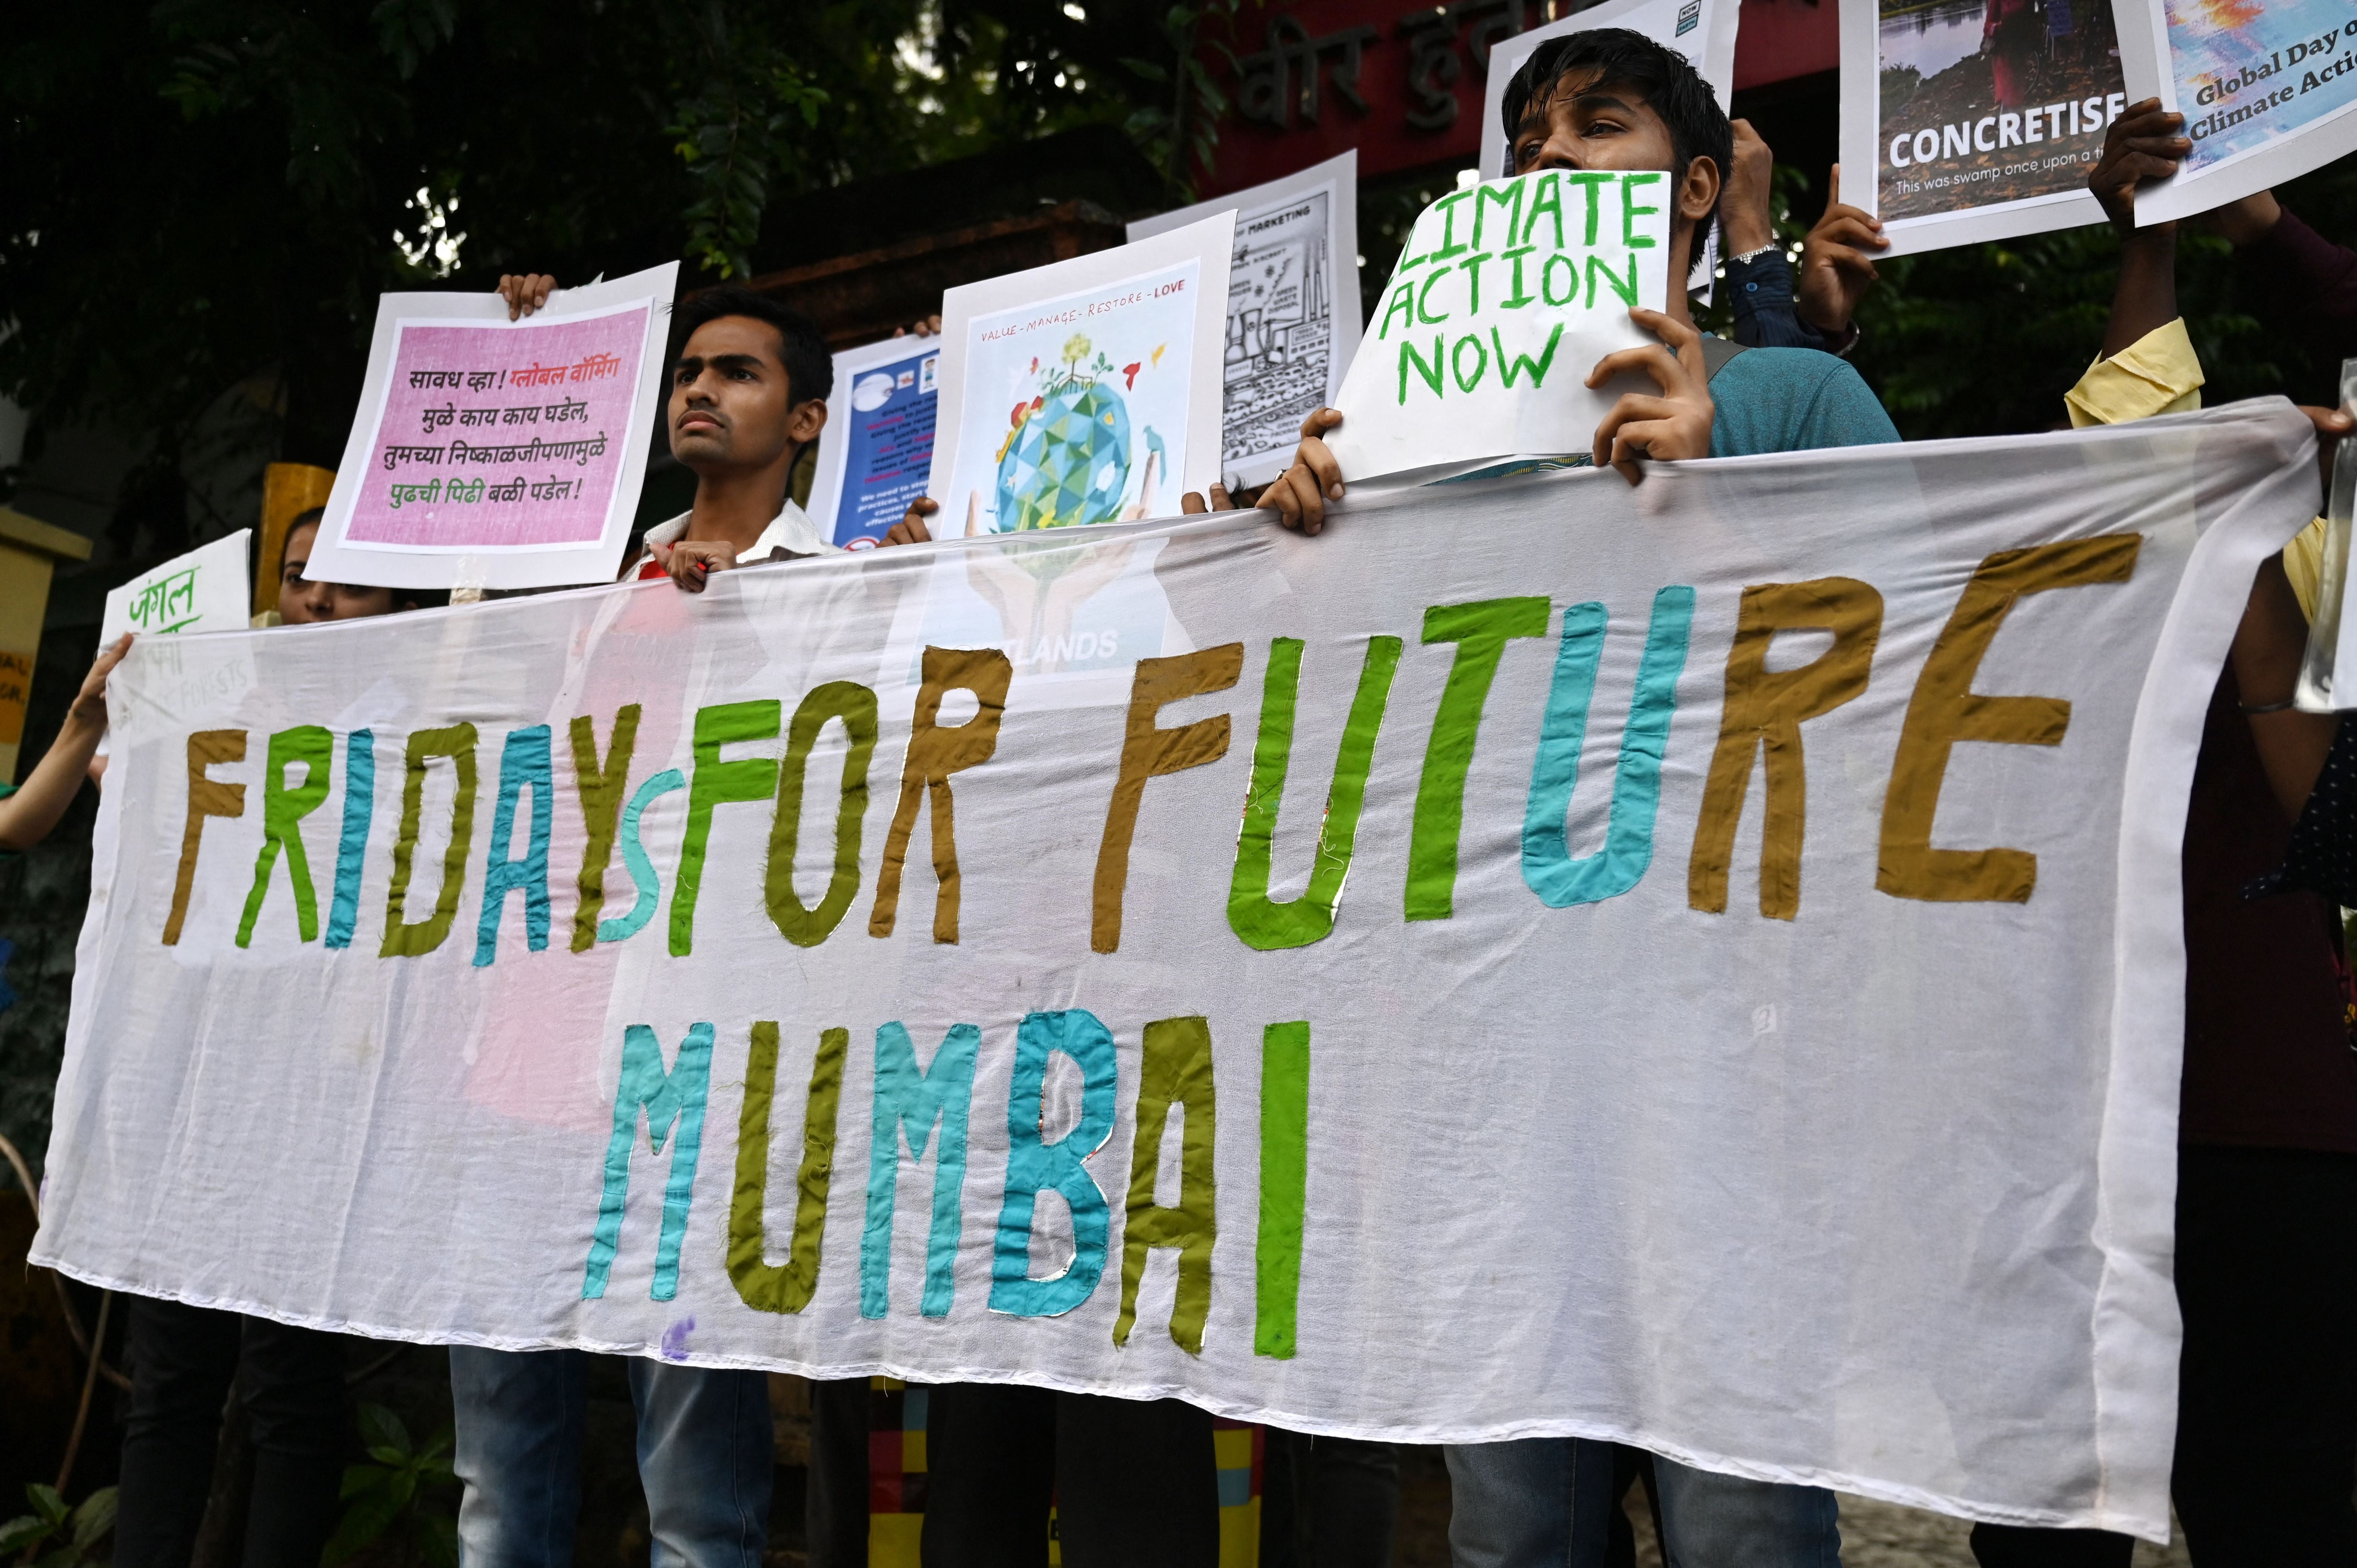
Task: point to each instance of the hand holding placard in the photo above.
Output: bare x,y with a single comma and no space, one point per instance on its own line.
1506,294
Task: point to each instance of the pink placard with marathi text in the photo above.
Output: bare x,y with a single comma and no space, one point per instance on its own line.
498,437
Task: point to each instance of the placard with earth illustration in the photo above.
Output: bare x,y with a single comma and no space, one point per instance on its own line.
1965,121
2268,92
1085,392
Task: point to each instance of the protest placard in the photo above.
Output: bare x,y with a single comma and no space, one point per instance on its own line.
1964,121
1534,276
879,442
499,453
1293,308
2268,92
1546,1066
204,590
1085,391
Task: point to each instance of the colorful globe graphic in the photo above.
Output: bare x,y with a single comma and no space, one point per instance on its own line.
1068,463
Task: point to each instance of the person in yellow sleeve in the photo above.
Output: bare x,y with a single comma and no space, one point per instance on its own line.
2267,1208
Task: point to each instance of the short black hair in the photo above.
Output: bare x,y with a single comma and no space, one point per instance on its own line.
809,367
1697,125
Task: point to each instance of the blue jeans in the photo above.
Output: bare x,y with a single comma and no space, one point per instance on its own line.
1543,1502
704,1458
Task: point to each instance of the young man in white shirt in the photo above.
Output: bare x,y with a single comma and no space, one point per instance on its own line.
748,394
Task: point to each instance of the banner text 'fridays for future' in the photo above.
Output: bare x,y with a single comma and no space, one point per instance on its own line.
1475,1096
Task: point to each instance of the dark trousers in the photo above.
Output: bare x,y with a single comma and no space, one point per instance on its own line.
2267,1419
1134,1482
1327,1502
291,1381
835,1495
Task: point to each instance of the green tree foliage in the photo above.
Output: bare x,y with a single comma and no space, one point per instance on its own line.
55,1536
204,193
406,1490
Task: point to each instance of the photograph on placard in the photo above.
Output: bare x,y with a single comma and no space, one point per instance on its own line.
879,442
1506,294
1292,318
1082,393
204,590
1965,121
494,453
2268,92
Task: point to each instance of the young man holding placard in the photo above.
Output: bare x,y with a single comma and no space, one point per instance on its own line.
748,392
1610,99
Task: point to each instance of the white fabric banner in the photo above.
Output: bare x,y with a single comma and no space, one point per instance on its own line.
1814,1123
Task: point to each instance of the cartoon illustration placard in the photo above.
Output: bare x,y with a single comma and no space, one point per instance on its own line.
499,453
1293,318
2268,92
879,444
1085,391
204,590
1506,294
1971,120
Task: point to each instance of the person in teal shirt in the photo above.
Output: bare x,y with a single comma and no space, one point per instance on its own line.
1611,99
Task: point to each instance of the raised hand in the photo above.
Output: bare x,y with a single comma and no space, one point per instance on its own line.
2143,144
525,292
1674,425
1836,262
1301,492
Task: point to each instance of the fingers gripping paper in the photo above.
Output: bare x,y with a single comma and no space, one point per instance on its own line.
1399,1007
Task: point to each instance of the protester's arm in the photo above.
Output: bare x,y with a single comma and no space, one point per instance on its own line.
2296,279
1759,280
2142,144
525,292
2147,365
26,816
1837,268
2267,652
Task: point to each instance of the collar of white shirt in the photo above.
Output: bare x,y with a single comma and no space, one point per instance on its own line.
791,532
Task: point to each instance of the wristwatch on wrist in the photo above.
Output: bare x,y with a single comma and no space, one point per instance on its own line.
1755,253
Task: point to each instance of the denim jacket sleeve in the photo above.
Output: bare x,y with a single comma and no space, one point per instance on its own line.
1765,316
